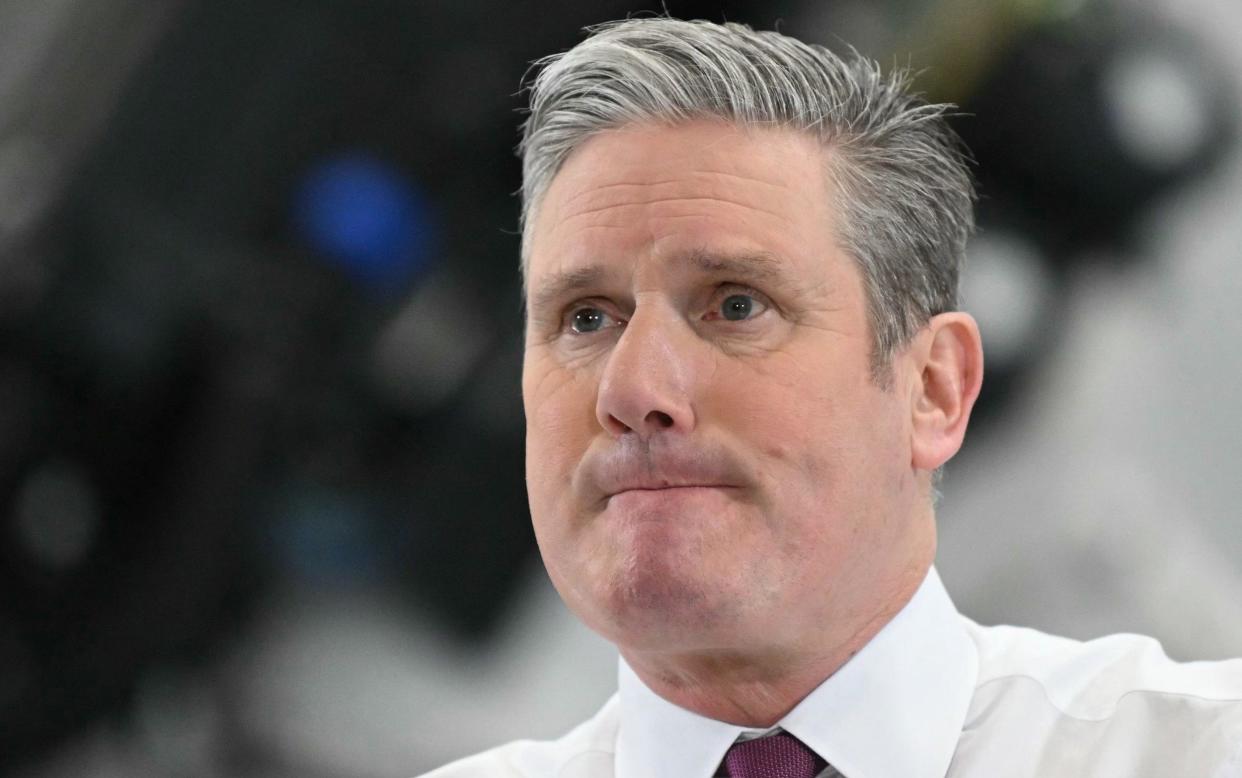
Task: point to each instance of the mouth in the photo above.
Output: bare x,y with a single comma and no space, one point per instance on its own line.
663,496
670,488
633,475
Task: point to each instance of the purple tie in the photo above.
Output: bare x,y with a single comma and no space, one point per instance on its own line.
777,756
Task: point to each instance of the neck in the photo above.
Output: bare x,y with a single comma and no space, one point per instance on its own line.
758,688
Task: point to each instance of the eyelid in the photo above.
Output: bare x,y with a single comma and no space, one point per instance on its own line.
733,287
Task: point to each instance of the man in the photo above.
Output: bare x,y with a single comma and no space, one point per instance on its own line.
744,367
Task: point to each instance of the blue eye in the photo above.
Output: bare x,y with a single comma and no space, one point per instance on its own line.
588,320
737,307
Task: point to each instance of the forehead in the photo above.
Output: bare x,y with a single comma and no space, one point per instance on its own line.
650,192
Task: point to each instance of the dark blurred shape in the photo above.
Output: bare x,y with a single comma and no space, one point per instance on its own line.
1087,123
56,516
188,359
427,350
325,538
1079,127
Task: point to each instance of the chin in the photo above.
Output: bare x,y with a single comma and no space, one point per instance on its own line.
649,580
660,609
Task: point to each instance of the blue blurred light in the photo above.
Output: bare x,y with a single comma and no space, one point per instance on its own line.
365,216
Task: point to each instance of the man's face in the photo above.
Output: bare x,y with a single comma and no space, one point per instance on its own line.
710,464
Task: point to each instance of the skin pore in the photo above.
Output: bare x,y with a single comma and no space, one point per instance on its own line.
717,483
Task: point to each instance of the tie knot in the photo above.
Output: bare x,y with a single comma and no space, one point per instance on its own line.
776,756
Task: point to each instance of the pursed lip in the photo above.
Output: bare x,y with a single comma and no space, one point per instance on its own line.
668,487
606,473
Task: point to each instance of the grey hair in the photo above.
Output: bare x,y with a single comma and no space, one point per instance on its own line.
899,172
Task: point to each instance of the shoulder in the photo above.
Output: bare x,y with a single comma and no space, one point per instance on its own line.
587,750
1119,699
1089,678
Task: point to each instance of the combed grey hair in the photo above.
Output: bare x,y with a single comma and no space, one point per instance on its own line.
899,173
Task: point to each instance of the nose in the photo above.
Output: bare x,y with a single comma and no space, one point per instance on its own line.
646,387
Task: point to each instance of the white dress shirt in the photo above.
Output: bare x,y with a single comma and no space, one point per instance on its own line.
934,695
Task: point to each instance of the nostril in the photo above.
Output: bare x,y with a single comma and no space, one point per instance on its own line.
661,418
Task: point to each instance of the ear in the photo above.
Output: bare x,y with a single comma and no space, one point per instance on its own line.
948,358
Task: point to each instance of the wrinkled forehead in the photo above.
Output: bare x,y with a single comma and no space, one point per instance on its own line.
681,189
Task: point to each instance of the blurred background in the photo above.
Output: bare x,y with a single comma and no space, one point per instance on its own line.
261,490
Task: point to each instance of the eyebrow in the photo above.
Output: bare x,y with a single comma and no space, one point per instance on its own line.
758,266
563,284
762,266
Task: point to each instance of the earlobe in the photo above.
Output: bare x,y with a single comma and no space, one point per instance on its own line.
950,375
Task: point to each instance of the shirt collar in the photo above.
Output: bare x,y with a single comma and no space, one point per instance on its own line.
896,708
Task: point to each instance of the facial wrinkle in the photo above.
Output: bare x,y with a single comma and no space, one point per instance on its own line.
607,187
740,177
661,200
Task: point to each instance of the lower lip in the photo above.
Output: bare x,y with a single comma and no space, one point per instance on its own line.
640,499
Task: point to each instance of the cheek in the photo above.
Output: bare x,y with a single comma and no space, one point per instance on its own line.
793,418
822,440
560,421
